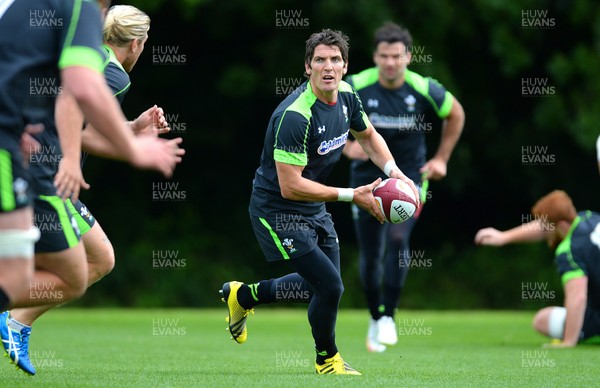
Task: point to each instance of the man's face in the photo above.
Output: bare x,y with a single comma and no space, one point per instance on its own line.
326,68
391,59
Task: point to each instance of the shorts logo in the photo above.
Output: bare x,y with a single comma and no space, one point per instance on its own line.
75,226
85,213
20,188
327,146
288,243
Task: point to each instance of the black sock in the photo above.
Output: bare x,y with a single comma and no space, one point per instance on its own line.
250,295
329,352
4,300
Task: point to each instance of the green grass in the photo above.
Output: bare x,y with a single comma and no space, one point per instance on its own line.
190,348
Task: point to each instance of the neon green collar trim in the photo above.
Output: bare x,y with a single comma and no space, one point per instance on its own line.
112,57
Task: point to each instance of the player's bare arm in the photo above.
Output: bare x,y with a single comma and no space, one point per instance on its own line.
529,232
575,303
352,150
297,188
69,119
97,144
452,126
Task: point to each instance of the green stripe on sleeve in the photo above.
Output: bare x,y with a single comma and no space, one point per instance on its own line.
275,238
63,217
81,56
446,106
7,196
290,158
572,275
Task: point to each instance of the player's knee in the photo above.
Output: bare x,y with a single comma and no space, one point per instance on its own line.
101,262
550,321
107,262
76,287
334,289
399,239
540,322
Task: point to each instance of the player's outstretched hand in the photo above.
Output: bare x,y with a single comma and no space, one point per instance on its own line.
157,154
490,236
69,179
363,197
151,122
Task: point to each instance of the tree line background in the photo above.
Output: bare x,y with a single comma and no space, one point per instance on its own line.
218,69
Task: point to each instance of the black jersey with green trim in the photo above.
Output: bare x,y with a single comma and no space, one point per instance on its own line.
37,38
579,254
304,131
117,79
116,76
402,116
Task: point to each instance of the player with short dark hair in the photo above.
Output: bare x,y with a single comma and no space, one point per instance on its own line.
575,238
304,140
402,105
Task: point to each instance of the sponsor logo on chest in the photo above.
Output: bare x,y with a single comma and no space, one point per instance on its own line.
327,146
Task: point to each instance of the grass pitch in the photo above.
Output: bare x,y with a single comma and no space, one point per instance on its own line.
190,348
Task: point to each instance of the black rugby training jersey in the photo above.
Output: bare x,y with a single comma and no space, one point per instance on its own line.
43,165
304,131
116,76
402,116
579,254
37,38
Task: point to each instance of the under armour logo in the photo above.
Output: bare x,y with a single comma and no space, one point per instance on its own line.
372,103
321,129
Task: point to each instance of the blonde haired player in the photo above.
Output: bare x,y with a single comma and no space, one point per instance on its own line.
125,32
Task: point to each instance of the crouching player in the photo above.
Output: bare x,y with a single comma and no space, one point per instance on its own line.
575,239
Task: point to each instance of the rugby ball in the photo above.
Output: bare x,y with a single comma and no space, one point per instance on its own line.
396,200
